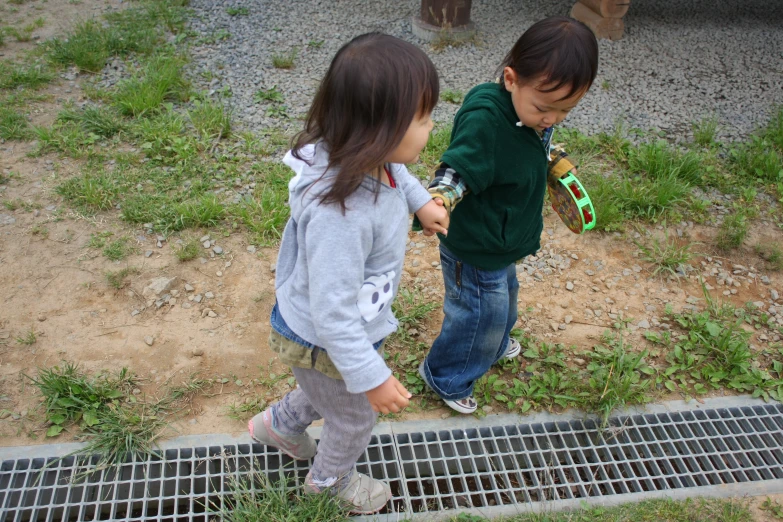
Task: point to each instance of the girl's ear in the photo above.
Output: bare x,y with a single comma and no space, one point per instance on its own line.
509,78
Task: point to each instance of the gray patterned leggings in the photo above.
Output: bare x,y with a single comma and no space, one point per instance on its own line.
348,421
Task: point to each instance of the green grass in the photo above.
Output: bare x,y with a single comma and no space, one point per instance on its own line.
247,408
452,96
257,498
265,213
657,160
772,507
119,249
161,80
666,255
772,254
91,192
101,121
237,11
732,231
13,76
211,119
29,338
269,95
119,279
774,129
189,249
705,131
13,126
284,60
114,419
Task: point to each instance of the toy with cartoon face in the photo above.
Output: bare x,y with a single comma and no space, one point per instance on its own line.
376,293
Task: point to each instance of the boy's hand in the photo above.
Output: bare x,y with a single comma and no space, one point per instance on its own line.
434,217
389,397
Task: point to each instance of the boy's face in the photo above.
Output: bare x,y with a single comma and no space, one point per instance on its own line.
537,109
414,140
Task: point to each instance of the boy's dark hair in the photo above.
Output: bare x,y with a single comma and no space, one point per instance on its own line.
559,50
375,86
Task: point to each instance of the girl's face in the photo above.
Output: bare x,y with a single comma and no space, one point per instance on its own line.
413,141
537,109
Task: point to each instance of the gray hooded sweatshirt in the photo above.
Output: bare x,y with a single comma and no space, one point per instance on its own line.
337,274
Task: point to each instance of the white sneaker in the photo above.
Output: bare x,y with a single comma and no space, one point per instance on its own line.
363,495
513,350
467,405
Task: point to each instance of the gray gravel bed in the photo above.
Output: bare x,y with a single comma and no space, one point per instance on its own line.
679,62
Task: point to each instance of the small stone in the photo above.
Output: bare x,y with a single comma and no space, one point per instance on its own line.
186,305
148,253
211,314
644,323
568,319
136,391
273,267
209,295
251,249
219,273
198,298
435,263
157,286
206,244
159,244
487,408
197,352
553,326
415,263
149,340
774,294
135,313
579,361
204,238
41,318
189,287
570,286
218,250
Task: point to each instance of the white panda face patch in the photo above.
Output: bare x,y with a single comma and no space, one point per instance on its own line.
375,294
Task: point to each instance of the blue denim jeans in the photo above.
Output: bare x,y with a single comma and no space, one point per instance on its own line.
480,310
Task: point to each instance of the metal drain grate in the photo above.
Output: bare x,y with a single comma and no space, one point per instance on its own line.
498,469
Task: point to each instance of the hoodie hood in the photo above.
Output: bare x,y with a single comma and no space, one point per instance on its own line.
306,173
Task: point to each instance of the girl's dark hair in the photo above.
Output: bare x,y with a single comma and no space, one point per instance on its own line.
559,50
375,86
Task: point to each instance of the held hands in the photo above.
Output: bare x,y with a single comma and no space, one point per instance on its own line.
389,397
434,217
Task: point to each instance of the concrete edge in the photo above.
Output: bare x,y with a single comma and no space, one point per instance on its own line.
390,428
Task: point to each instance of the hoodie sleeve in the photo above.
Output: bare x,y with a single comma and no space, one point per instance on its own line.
472,148
415,194
337,247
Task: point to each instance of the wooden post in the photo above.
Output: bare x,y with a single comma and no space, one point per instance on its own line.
439,18
604,17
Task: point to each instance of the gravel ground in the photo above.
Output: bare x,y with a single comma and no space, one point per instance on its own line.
680,60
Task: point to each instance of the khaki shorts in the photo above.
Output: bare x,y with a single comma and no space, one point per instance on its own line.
299,356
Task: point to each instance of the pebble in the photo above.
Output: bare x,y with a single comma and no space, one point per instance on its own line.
197,352
206,244
644,323
251,249
773,294
209,295
218,250
570,286
211,314
148,253
149,340
189,287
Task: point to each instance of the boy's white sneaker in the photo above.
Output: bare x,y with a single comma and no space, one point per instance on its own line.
467,405
513,350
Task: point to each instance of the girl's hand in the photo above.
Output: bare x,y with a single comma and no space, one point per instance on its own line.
389,397
434,218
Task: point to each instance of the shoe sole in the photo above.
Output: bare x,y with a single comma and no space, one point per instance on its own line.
273,443
370,512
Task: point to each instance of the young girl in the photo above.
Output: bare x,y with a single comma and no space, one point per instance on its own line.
492,179
341,258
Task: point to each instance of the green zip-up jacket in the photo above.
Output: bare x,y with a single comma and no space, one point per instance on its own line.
499,221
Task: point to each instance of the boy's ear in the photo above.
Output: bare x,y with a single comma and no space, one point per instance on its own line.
509,78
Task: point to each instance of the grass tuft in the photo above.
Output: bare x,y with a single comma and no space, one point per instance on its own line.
29,338
667,255
101,121
284,60
13,126
705,131
189,250
211,119
161,80
733,231
119,249
119,279
15,76
452,96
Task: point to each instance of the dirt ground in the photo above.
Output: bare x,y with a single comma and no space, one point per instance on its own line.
53,284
